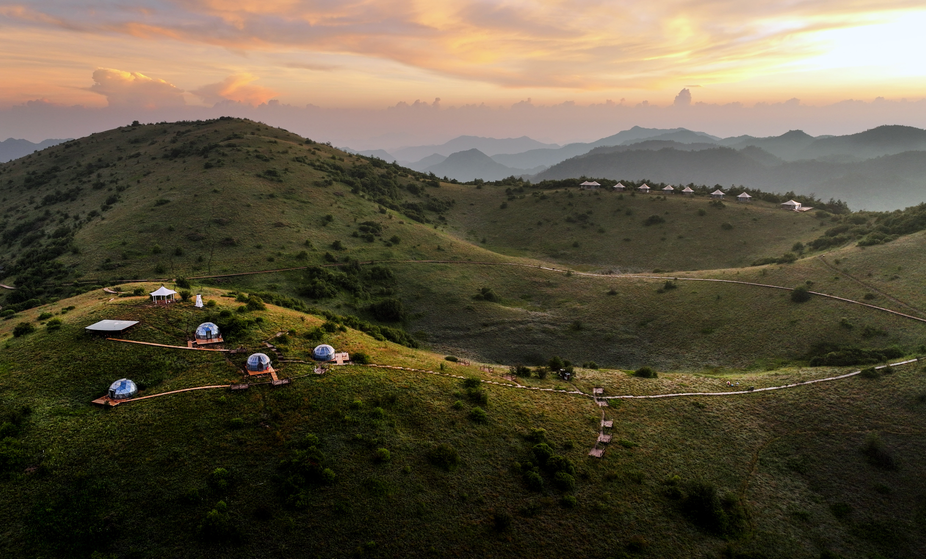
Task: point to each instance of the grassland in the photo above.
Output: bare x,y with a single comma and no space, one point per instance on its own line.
832,469
141,479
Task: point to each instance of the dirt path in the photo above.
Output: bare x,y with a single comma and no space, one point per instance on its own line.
866,285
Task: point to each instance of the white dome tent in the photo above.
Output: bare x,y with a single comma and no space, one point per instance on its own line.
208,333
324,352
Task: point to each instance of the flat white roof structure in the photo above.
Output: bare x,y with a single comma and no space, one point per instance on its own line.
791,205
110,326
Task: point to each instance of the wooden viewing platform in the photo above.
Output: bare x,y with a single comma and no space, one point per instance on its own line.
601,403
604,438
607,424
596,452
597,391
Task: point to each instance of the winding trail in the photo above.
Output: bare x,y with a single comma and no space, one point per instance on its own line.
866,285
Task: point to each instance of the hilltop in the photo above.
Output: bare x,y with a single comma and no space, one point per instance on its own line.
455,301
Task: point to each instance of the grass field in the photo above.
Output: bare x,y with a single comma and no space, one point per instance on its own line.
338,464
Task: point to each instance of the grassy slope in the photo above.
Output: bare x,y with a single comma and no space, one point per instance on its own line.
154,458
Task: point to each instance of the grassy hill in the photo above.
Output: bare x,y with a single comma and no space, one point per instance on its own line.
355,252
827,468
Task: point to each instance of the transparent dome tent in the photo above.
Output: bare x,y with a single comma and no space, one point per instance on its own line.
323,352
122,389
208,331
258,362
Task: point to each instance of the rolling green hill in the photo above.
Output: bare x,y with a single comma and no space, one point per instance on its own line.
456,455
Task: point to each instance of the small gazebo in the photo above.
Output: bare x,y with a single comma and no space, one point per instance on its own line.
589,185
717,194
668,190
644,189
619,187
688,191
743,197
163,295
791,205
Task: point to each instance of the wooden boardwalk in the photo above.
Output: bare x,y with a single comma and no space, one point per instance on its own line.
168,346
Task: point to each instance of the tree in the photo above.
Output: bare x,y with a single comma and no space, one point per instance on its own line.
800,294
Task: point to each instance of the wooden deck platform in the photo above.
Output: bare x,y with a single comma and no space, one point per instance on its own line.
601,403
281,382
604,438
241,386
596,452
607,424
269,371
106,401
597,391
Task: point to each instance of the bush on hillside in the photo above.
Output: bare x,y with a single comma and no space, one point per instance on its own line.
23,328
645,372
388,310
800,294
444,456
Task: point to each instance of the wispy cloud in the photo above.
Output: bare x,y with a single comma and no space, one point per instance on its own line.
238,88
578,44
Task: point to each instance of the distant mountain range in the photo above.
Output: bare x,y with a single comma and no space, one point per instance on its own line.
882,168
12,148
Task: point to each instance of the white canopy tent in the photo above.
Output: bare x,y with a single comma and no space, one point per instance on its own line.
199,301
163,294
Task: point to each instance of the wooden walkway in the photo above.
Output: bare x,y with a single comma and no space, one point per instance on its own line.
169,346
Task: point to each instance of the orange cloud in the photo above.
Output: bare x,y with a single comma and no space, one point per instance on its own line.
236,88
133,89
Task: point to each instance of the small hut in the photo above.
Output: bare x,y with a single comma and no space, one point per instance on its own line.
717,194
163,295
644,189
619,187
589,185
199,301
122,389
668,190
323,352
208,333
688,191
743,197
791,205
258,363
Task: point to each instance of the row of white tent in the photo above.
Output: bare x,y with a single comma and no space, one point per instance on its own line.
717,194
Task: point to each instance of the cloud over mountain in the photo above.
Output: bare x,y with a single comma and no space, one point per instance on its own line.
134,89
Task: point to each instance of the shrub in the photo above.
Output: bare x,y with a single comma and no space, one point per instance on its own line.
478,396
138,291
486,294
726,226
388,310
444,456
255,303
184,294
645,372
533,480
501,520
471,383
23,328
451,358
654,220
800,294
869,372
53,324
478,415
542,453
569,501
590,365
876,454
183,283
564,481
360,358
703,505
382,455
218,525
45,316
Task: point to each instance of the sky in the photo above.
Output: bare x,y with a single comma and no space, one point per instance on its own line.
385,73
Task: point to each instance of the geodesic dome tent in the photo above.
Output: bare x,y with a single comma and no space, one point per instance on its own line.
207,331
323,352
122,389
258,362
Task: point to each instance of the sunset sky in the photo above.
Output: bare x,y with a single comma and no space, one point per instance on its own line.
360,57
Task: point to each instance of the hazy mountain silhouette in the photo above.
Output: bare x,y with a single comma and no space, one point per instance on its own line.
883,183
472,164
429,161
12,148
490,146
547,157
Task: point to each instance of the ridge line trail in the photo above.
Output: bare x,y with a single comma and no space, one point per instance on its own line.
823,261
